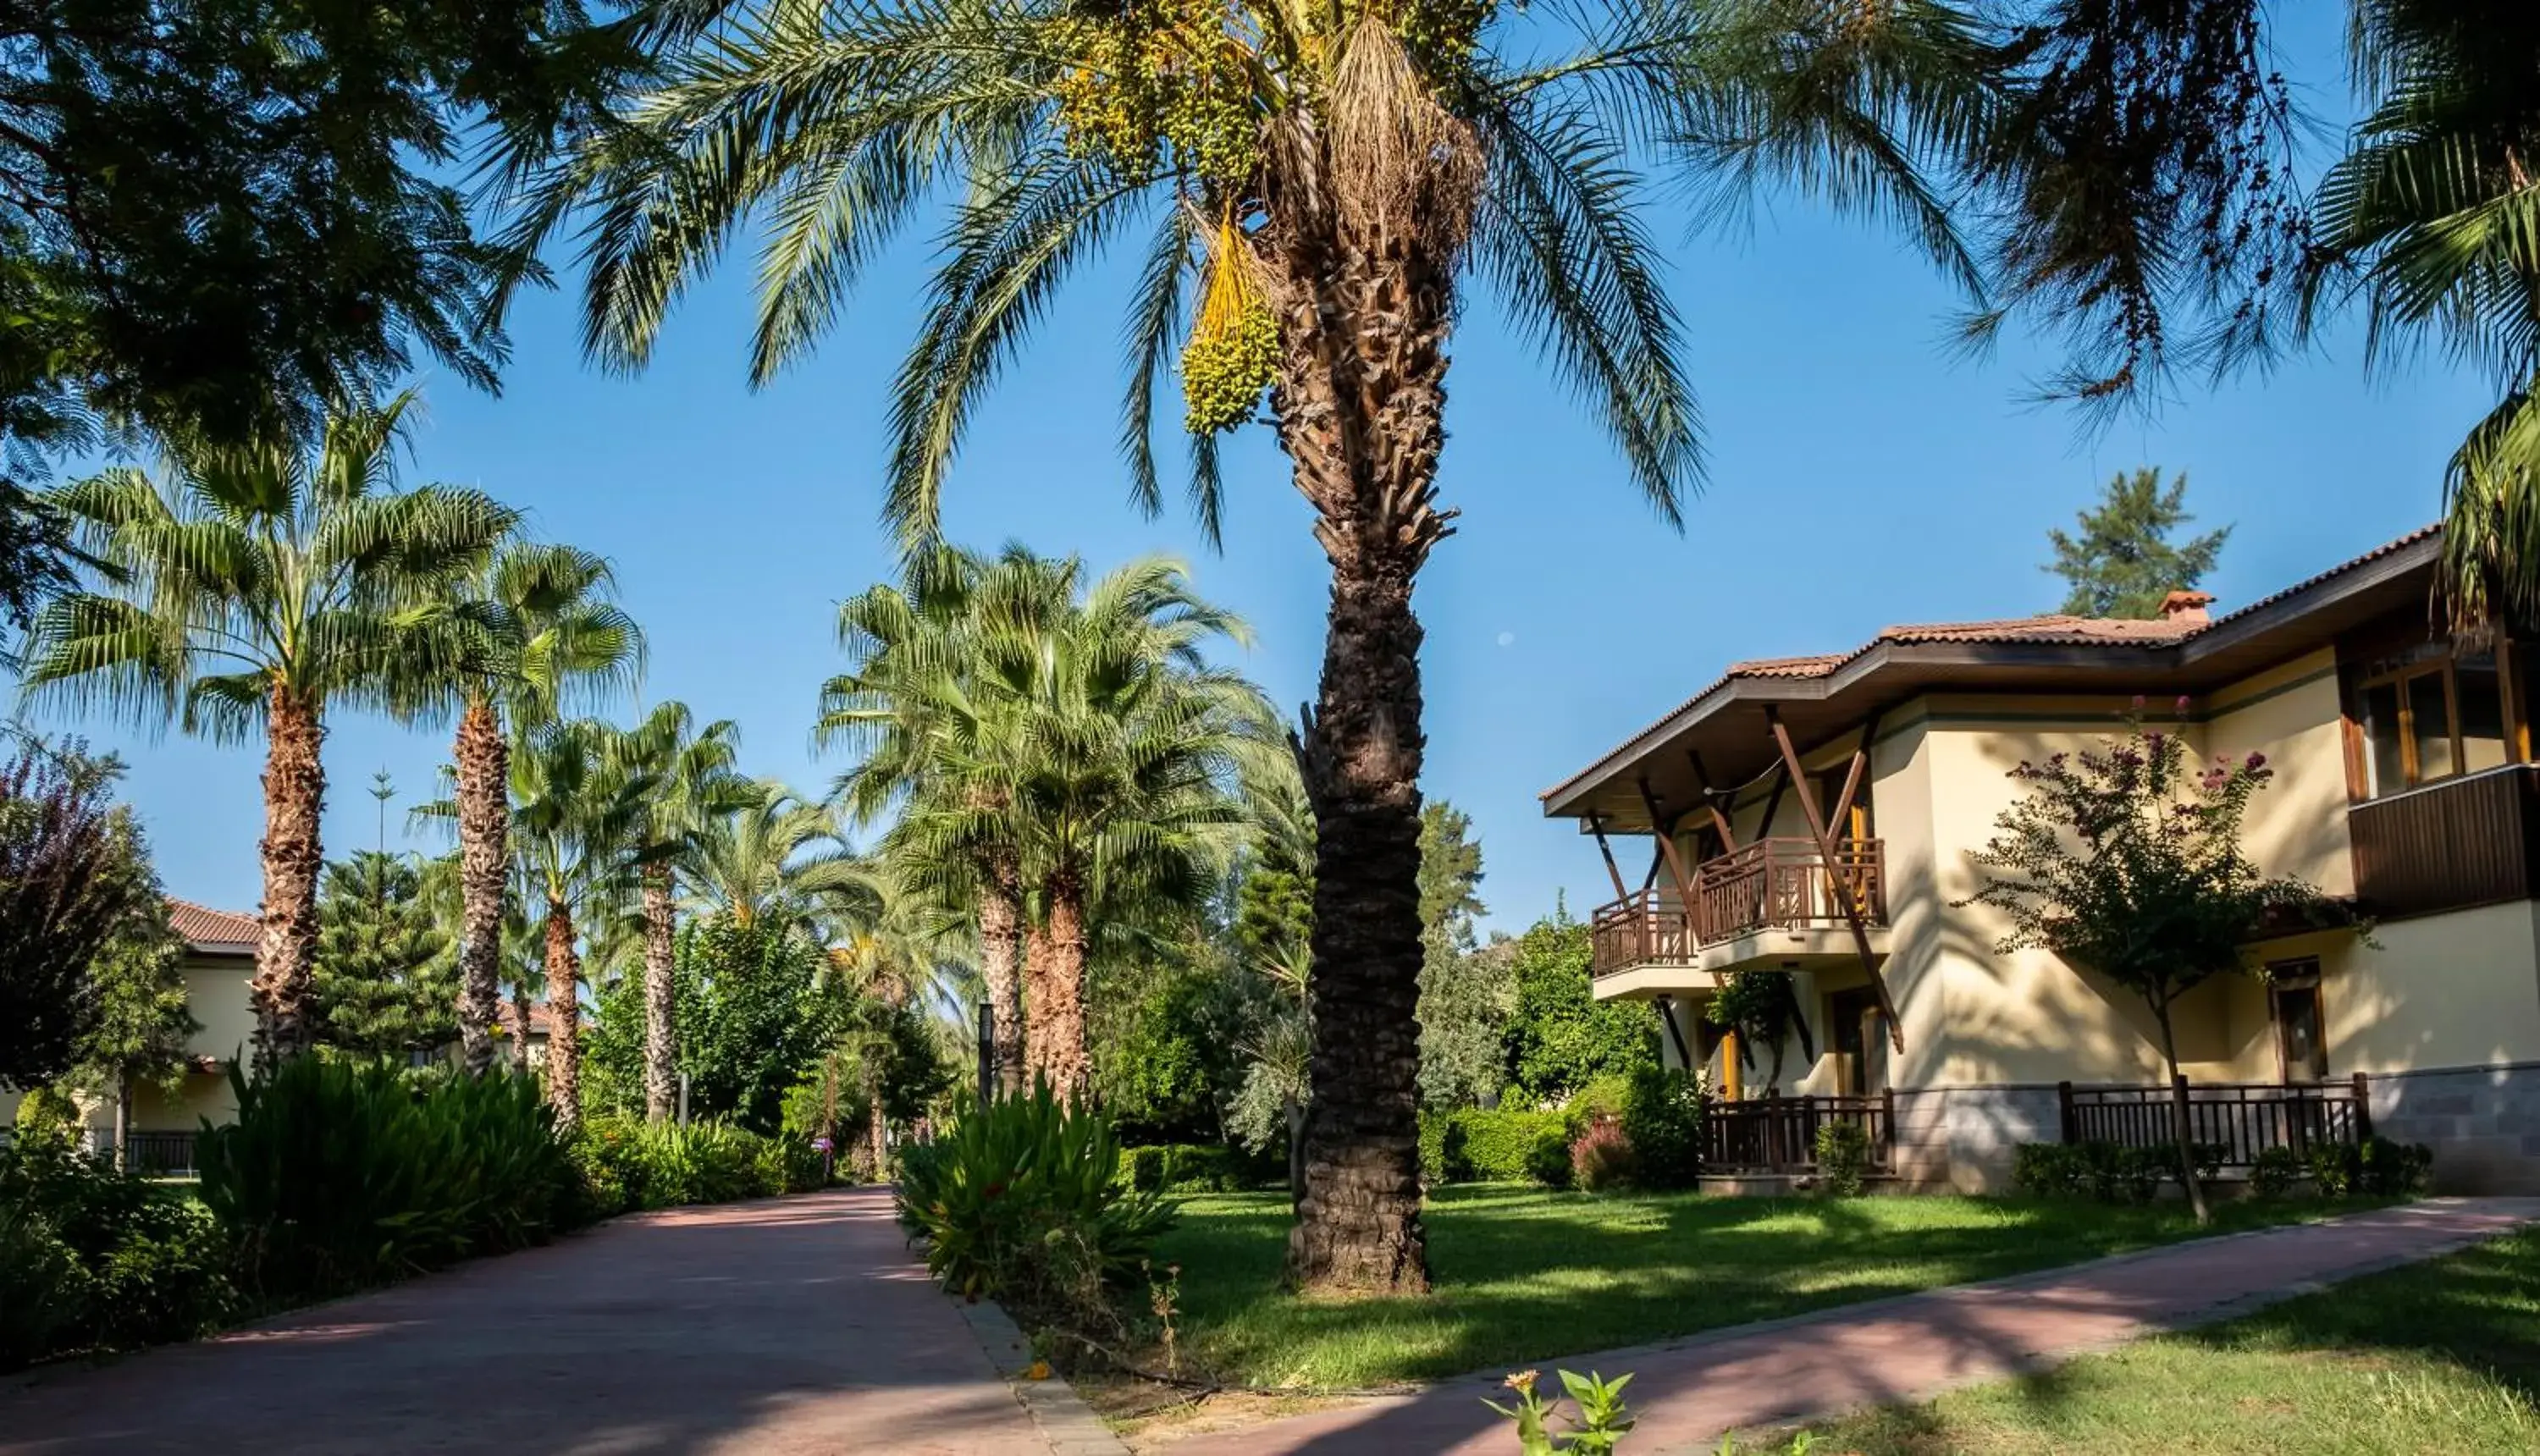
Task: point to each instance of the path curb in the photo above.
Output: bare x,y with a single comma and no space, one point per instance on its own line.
1069,1424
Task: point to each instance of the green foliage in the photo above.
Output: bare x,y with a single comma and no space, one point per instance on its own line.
2276,1171
1762,1006
81,923
1560,1037
2108,1172
1843,1158
1153,1072
757,1010
1025,1202
1197,1167
340,1174
386,981
1466,993
1662,1120
1602,1423
2124,562
627,1164
93,1259
1506,1145
2378,1169
1600,1157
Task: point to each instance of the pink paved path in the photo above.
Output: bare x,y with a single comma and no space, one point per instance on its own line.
1687,1392
783,1328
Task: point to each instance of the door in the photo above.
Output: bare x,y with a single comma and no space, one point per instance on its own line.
2302,1031
1860,1040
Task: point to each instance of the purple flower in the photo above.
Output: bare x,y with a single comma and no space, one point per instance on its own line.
822,1145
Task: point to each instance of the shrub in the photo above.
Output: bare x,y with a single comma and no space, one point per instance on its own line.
1602,1096
1600,1159
2392,1169
93,1259
339,1174
1843,1158
2332,1168
631,1165
2276,1172
2050,1170
2111,1172
1504,1145
1194,1167
1662,1120
1023,1201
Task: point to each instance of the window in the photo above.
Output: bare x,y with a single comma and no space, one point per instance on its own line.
2427,717
2301,1039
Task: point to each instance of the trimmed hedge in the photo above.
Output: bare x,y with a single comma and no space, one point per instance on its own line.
630,1165
1197,1167
1471,1145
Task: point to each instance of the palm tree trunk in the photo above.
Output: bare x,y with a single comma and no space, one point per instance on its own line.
295,797
484,759
1062,988
1364,298
660,996
564,1020
521,1027
876,1140
1035,1010
999,948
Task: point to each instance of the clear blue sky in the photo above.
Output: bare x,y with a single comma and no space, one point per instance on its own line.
1857,476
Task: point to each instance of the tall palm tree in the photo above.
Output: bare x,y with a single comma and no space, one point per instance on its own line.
1329,177
539,631
778,858
2430,219
249,586
575,816
695,788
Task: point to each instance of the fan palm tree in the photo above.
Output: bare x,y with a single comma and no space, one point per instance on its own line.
1315,184
539,632
778,858
2430,220
576,812
249,586
695,788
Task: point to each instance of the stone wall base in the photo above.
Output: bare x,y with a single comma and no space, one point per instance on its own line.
2482,1122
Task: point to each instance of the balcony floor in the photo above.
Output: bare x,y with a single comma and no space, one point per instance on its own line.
1815,947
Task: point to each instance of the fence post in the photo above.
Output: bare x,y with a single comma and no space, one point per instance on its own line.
2363,1110
2064,1110
1888,1116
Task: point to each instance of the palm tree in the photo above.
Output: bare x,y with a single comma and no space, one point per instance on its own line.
695,788
1329,177
2429,219
576,814
779,858
251,586
539,632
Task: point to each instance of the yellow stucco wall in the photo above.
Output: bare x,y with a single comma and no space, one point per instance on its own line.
2456,990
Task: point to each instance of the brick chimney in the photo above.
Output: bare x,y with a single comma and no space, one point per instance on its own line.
2187,608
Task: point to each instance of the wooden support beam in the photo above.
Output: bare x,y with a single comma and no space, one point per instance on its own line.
1850,906
1666,846
1614,872
1852,780
1675,1034
1711,798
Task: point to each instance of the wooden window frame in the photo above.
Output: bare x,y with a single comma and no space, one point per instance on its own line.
2393,665
2297,977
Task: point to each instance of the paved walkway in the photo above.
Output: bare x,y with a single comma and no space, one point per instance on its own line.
1687,1392
776,1329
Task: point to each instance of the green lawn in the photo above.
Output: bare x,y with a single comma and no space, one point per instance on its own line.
2440,1358
1523,1275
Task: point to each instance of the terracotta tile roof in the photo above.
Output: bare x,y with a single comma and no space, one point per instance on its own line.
206,929
541,1019
2386,548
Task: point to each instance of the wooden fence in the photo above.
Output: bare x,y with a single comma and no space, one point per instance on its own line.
1779,1135
2244,1119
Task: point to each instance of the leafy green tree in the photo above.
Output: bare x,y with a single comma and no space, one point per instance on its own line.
1155,1066
1317,187
2126,860
2123,562
387,977
1561,1037
1762,1006
757,1012
256,588
1465,992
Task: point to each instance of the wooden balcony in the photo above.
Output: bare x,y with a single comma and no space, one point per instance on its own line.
2450,845
1769,884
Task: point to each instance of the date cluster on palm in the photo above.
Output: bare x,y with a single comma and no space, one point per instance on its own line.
1234,348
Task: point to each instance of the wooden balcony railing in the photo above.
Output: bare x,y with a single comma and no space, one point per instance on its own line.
1779,1135
1771,883
2450,845
2243,1119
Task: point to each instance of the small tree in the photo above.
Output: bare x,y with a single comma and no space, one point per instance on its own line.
386,981
1762,1007
74,879
2123,562
2126,861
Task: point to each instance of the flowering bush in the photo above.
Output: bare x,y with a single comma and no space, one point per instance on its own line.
1601,1158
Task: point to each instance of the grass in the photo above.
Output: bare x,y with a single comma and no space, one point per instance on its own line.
1523,1275
2439,1357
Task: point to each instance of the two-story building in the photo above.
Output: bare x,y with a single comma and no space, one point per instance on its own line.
1821,814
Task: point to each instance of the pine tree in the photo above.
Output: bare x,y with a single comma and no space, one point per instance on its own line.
2123,562
386,975
1466,993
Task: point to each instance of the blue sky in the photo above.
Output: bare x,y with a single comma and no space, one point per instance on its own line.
1859,476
